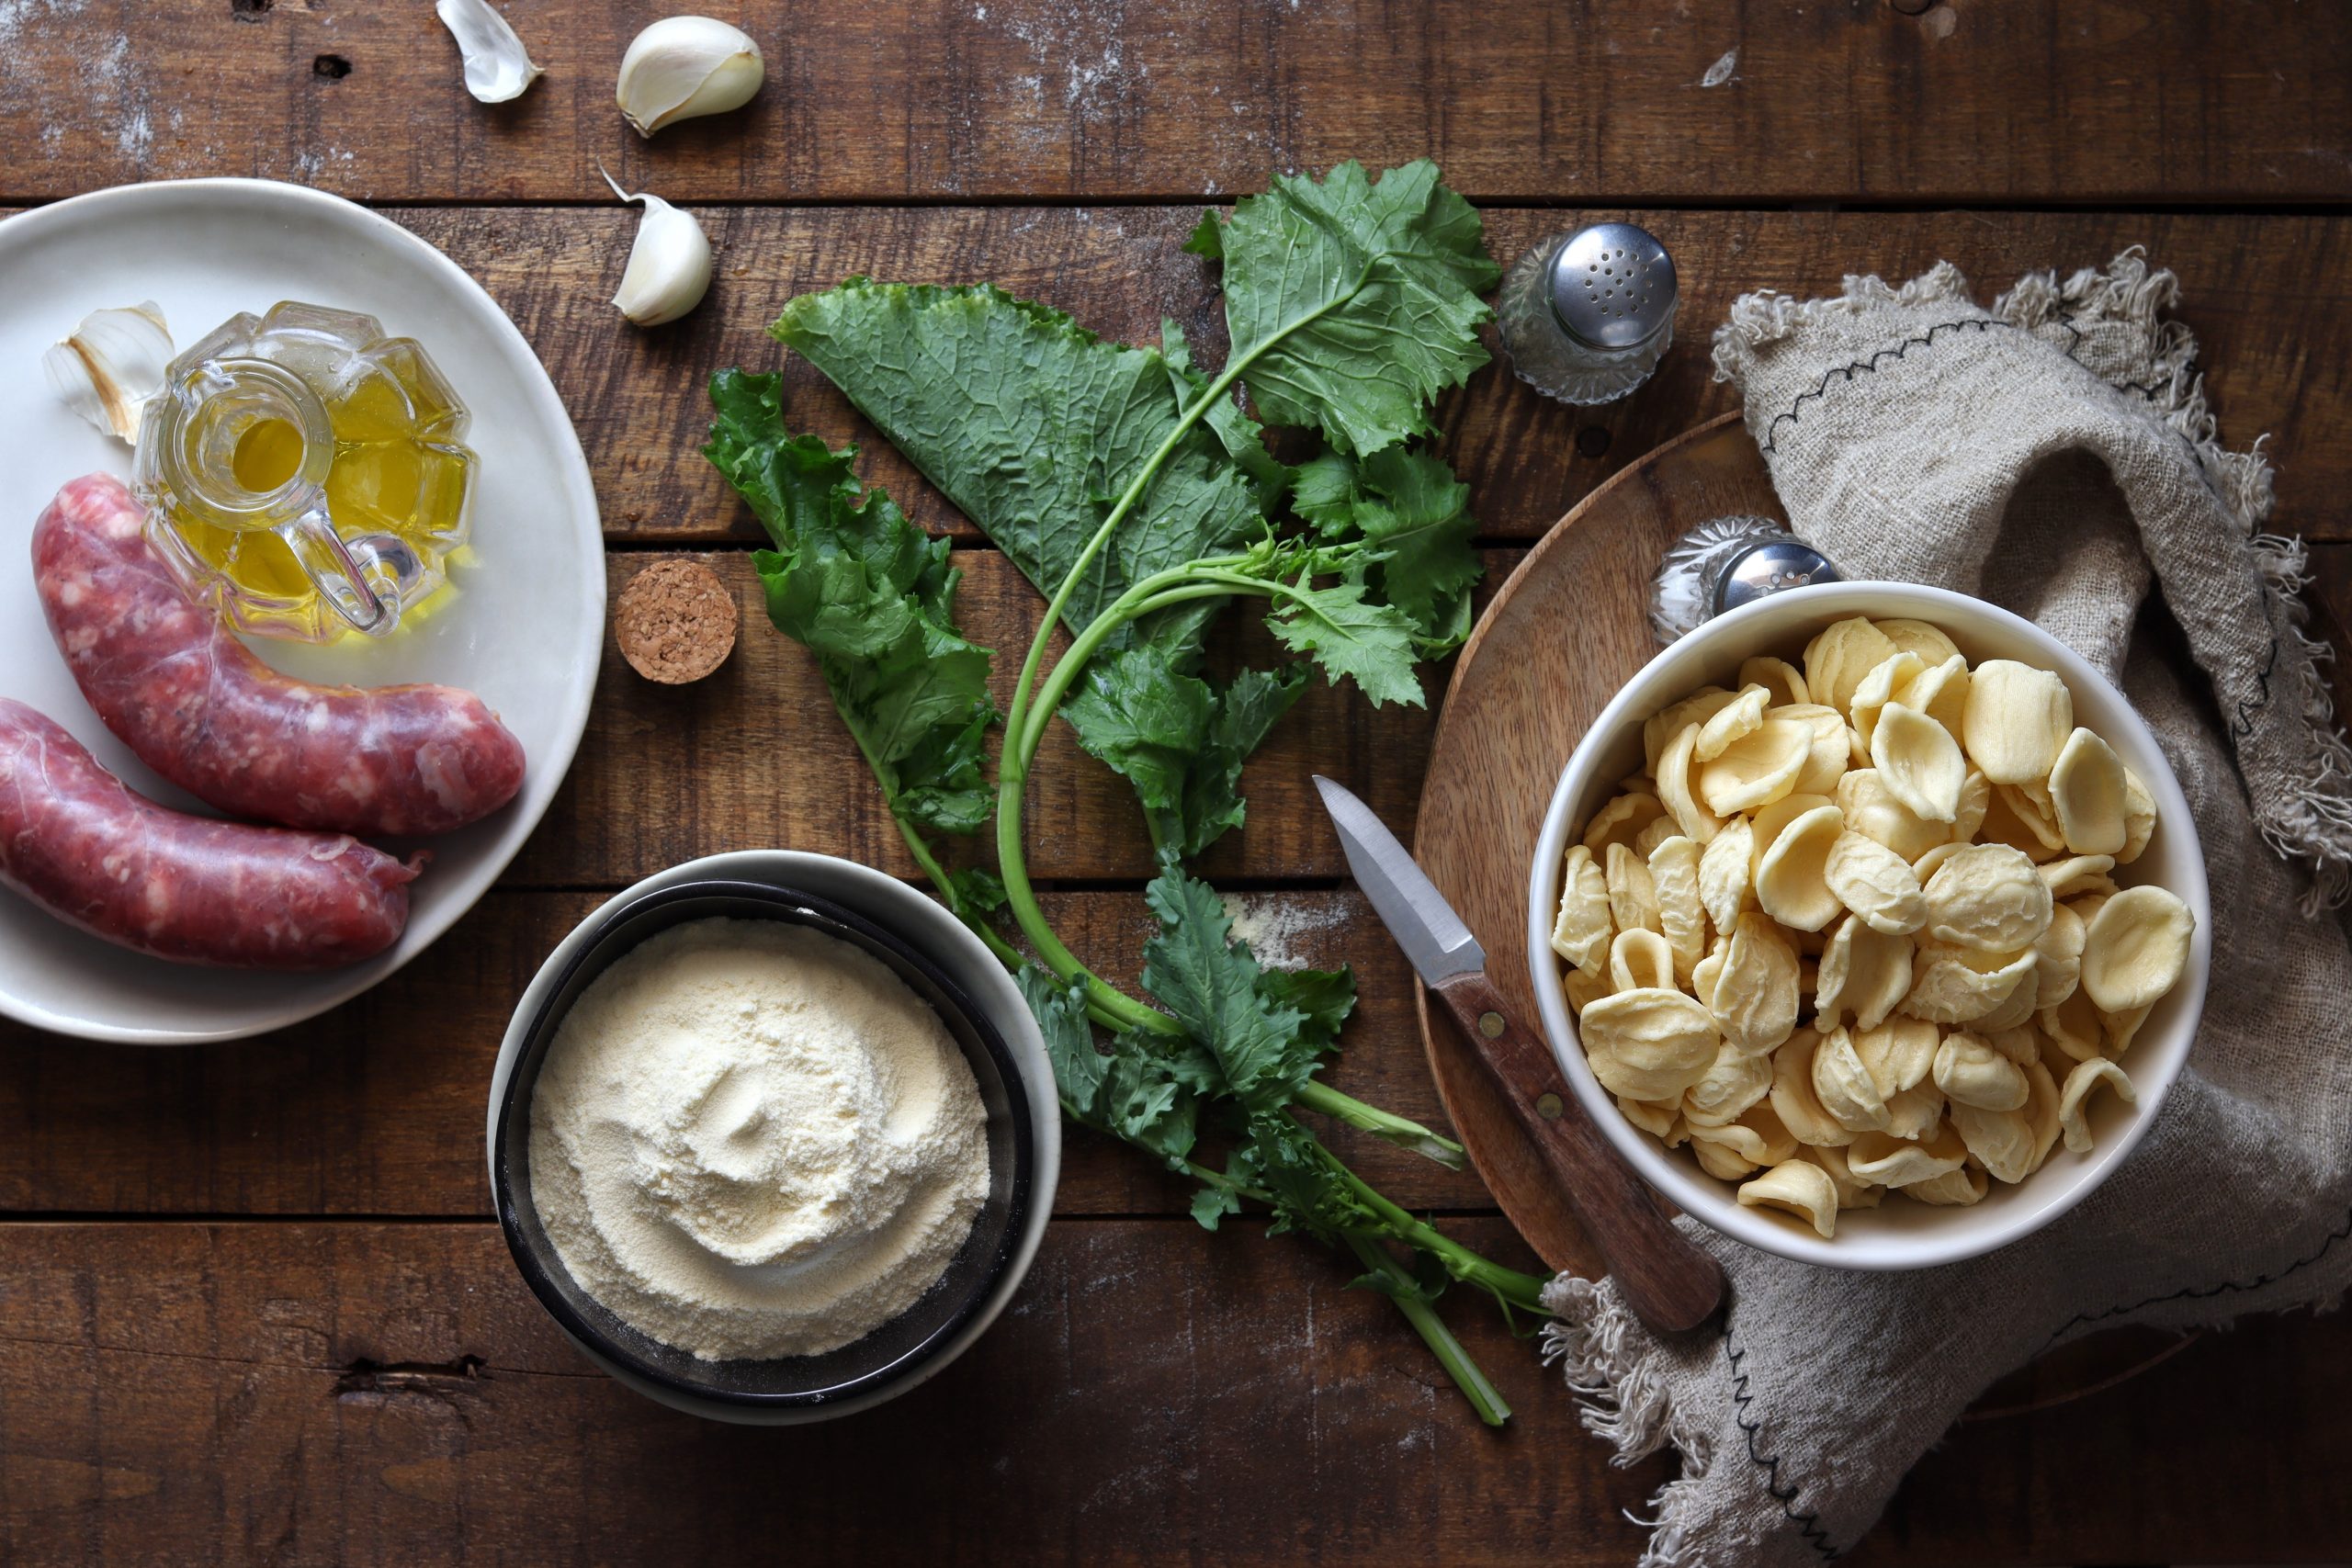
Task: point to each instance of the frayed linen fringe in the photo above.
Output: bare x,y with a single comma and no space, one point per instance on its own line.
2314,827
1612,1366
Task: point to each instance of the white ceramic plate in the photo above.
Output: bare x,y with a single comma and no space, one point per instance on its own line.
526,629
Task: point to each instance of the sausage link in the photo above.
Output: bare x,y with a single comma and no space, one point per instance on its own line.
77,841
194,703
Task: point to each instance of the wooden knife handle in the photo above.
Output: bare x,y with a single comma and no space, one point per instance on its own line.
1670,1284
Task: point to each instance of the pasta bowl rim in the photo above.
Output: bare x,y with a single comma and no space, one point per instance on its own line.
1927,1236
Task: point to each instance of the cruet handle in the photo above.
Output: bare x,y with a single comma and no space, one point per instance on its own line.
329,564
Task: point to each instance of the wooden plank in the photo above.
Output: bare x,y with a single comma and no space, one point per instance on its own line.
2268,298
755,755
1587,100
378,1108
385,1393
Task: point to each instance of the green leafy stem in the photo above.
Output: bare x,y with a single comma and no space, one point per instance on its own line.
1350,305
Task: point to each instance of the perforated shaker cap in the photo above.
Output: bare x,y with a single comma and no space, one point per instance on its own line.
1612,285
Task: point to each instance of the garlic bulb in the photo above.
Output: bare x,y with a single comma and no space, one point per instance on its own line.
114,362
497,68
669,266
686,66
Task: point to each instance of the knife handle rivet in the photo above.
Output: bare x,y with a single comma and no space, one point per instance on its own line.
1490,1024
1548,1107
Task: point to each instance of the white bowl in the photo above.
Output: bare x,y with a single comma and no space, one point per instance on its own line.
1896,1234
923,923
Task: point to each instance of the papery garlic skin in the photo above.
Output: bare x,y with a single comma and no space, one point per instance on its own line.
669,266
683,67
114,362
497,66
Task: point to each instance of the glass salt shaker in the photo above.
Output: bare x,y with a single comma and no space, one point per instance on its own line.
1586,317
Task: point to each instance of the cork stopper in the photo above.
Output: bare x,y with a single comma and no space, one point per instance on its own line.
675,621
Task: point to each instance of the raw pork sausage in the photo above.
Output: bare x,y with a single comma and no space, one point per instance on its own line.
76,840
196,706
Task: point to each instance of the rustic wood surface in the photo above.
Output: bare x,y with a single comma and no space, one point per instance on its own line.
251,1304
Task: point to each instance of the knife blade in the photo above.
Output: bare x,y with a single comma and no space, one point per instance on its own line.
1670,1284
1433,937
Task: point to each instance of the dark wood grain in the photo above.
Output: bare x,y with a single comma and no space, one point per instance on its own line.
177,1386
390,1394
915,100
755,755
2268,298
1670,1284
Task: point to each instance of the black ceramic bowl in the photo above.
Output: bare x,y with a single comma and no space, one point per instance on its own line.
799,1383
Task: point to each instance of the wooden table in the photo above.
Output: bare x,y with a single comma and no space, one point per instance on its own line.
251,1304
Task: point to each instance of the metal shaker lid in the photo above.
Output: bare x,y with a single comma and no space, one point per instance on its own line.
1612,285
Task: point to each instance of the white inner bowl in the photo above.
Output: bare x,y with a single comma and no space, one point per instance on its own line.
1897,1234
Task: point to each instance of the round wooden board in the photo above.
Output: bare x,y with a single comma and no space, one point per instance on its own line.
1569,627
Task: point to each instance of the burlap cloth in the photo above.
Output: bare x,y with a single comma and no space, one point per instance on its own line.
2049,454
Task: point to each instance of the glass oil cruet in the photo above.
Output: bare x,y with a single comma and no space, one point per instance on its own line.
306,473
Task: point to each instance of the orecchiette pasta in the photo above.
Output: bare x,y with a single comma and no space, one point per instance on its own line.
1863,972
1989,897
1581,934
1793,1100
1675,790
1853,1192
1755,1000
2135,949
1921,637
1872,809
1658,831
1966,1185
1756,769
1640,960
2080,1085
1743,715
1632,898
1682,913
1899,1162
1836,660
1920,762
1891,674
1855,928
1725,882
1782,681
2017,718
2086,796
1801,1187
1726,1090
1620,820
1972,1074
1875,883
1792,878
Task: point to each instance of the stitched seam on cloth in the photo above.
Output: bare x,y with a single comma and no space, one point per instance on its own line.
2150,391
1808,1523
2205,1292
2262,678
1869,367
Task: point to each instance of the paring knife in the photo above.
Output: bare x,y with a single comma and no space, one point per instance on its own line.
1668,1282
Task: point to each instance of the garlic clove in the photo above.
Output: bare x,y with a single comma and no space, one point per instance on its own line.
497,68
682,67
114,362
669,264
